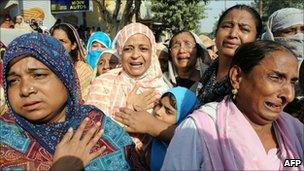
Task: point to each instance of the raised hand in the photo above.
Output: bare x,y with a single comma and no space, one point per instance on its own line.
145,100
74,150
135,121
139,121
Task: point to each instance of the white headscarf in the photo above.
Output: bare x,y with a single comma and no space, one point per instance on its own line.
283,19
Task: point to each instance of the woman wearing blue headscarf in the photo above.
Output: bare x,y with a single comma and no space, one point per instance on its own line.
97,43
172,108
42,93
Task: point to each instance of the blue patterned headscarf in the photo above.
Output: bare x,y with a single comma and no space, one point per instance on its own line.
51,53
93,55
186,102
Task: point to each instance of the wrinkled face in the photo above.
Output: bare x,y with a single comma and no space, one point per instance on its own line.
136,55
290,31
107,62
165,111
61,35
236,28
268,88
98,46
183,51
35,92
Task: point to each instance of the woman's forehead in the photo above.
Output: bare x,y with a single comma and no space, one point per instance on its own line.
183,36
28,61
280,61
138,39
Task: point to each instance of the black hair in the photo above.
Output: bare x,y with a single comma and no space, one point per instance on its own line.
248,55
71,37
252,11
172,99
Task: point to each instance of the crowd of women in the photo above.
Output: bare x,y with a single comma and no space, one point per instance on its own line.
133,104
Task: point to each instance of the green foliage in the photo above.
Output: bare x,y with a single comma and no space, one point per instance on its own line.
267,7
178,15
270,6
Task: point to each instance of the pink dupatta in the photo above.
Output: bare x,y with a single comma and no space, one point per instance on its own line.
232,144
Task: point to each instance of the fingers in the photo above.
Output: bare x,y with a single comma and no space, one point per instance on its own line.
151,102
137,108
126,111
80,129
119,116
87,137
151,105
151,95
95,139
67,137
135,88
129,129
97,153
148,92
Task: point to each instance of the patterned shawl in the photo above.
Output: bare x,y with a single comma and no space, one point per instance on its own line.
211,89
34,144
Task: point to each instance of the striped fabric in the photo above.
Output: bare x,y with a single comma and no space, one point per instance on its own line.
109,91
85,74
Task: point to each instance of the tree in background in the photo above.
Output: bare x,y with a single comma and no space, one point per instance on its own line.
112,21
178,15
267,7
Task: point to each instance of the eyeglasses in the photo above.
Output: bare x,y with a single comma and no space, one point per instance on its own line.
187,45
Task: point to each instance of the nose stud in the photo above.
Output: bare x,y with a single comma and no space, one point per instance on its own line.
32,89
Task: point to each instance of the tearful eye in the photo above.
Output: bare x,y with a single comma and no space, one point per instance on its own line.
273,77
144,49
176,46
226,26
127,49
245,30
39,76
12,82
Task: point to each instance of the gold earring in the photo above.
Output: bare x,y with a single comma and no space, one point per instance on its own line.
234,93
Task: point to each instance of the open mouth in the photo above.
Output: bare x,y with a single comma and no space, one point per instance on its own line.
274,107
183,58
136,64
